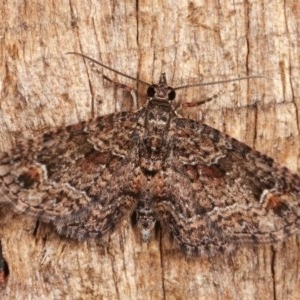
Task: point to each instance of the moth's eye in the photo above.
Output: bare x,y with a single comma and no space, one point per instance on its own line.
151,91
171,95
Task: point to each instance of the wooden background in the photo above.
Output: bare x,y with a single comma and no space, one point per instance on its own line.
42,88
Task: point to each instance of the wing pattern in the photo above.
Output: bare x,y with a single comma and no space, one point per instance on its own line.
220,192
73,177
208,190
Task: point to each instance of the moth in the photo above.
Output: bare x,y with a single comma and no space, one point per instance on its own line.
205,188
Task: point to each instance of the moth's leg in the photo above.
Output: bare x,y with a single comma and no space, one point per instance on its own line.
125,88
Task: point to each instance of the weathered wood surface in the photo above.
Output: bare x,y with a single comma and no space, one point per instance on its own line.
42,88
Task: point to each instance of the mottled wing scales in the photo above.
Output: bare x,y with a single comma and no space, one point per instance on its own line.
96,220
73,177
223,192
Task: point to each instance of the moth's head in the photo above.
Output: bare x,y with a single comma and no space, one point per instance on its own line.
161,91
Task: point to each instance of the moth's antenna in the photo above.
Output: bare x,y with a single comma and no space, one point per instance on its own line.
109,68
176,88
216,82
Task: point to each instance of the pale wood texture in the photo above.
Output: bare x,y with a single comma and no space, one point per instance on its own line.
41,88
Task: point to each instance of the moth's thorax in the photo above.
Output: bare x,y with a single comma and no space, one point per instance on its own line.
157,120
154,142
